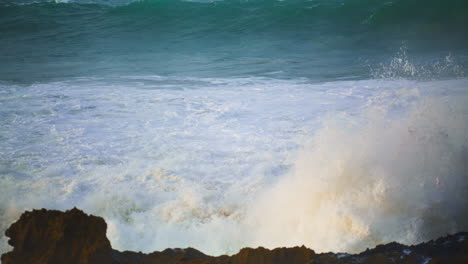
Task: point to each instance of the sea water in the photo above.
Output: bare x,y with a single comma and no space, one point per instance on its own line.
218,125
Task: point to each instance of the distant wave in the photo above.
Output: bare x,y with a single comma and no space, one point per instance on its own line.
432,15
320,39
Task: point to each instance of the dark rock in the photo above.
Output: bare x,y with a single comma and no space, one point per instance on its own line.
48,236
278,256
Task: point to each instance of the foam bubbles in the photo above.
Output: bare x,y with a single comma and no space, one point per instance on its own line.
220,164
374,180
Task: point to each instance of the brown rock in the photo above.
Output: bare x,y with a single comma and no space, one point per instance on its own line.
73,237
47,236
278,256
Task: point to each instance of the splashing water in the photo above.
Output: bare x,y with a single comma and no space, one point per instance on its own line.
362,183
219,170
402,66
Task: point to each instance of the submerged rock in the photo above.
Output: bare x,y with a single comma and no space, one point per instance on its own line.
49,236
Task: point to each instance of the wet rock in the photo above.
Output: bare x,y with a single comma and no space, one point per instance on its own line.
49,236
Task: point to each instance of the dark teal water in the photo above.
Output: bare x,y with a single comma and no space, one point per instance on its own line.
318,39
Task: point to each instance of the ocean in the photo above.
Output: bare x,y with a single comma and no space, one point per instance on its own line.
334,124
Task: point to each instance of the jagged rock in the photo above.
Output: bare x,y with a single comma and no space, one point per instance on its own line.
48,236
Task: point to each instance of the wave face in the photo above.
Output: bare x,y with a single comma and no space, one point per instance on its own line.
331,39
225,124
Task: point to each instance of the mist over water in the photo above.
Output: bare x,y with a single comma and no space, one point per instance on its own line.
359,183
219,125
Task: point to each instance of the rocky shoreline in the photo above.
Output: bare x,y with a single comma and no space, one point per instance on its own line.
50,236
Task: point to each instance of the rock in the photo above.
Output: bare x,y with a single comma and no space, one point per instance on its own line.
278,256
47,236
73,237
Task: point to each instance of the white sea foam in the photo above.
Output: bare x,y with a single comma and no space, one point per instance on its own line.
373,179
219,164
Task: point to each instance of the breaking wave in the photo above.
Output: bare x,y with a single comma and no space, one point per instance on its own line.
385,162
372,180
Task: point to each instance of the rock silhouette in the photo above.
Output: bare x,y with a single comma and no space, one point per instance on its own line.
73,237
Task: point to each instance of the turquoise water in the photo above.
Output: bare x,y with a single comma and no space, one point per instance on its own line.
336,124
323,40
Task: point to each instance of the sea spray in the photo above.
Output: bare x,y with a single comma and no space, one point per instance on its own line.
336,166
373,179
